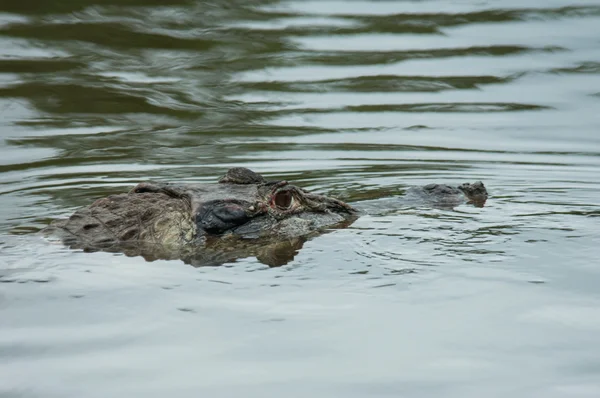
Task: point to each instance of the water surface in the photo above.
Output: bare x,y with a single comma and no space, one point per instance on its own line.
356,99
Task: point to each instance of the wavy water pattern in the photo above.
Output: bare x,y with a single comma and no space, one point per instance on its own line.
356,99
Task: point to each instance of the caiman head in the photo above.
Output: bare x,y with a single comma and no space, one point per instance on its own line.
241,204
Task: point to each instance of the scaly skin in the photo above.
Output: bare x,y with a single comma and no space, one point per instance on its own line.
204,224
173,216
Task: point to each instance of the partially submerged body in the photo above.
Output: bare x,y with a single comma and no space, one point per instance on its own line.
241,215
445,196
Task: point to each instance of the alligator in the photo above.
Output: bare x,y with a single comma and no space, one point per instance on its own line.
241,215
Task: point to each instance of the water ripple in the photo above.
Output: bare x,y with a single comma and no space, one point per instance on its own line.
356,99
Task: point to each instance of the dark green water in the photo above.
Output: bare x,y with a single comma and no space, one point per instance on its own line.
357,99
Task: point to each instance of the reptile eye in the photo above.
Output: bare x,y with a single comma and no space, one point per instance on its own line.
283,200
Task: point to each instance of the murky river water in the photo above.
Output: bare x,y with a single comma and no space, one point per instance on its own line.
357,99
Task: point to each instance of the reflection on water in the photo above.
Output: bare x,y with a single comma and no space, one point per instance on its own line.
355,99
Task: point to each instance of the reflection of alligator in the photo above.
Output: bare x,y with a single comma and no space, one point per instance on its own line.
240,216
